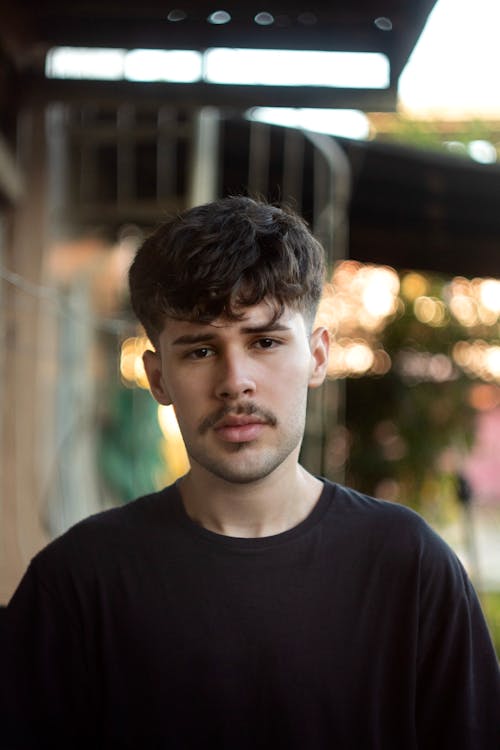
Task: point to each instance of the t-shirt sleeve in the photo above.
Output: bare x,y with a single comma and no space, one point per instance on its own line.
45,700
458,688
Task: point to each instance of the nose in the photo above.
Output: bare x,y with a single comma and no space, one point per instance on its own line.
234,377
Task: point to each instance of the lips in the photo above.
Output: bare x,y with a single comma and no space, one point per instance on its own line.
240,428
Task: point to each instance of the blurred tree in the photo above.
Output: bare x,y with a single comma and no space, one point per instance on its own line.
401,423
130,451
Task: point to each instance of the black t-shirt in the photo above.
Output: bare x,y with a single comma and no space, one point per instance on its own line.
356,629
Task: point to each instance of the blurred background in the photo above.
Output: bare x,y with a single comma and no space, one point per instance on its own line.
380,124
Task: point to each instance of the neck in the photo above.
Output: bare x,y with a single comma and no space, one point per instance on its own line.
265,507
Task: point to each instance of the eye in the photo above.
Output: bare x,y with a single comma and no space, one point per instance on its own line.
201,353
267,343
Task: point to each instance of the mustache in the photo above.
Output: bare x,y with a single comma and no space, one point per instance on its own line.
242,410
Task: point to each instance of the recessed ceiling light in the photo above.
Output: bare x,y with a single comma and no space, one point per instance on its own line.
264,19
219,17
176,15
383,23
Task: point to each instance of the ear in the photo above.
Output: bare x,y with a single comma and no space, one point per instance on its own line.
152,366
320,346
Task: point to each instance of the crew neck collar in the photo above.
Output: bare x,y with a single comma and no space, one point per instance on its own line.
254,543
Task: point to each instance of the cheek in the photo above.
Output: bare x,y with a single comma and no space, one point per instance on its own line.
290,389
183,388
188,399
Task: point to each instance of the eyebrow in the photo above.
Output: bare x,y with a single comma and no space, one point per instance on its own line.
210,335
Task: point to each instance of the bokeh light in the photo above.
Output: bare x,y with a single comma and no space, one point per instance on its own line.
361,300
357,304
131,365
174,448
489,294
417,366
478,359
484,396
414,285
430,310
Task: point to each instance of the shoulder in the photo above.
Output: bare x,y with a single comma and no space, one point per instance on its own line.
350,506
120,532
391,530
398,548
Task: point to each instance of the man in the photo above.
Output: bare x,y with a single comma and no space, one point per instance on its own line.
250,605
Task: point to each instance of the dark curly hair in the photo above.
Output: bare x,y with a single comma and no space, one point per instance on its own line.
214,259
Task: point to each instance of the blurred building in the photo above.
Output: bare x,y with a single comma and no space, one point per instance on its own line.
87,167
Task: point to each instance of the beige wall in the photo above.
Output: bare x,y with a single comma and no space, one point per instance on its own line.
21,525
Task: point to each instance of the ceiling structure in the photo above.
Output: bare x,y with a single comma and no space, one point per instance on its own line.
408,208
391,27
426,210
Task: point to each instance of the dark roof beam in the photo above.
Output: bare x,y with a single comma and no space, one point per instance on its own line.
34,89
126,33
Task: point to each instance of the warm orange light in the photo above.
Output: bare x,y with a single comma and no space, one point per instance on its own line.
361,299
351,357
492,361
356,306
489,294
484,397
174,448
430,310
358,357
381,362
464,308
379,290
478,359
414,285
131,365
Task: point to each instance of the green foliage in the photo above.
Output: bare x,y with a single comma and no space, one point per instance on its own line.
130,457
490,601
416,133
436,135
401,424
399,432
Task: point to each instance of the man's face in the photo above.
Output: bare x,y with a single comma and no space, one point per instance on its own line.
239,388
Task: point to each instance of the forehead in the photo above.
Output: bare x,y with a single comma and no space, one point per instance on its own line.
257,317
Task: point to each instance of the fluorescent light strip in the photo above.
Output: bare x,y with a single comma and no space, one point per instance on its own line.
223,66
85,62
347,123
264,67
179,66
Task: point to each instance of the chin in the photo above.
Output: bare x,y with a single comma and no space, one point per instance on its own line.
242,469
245,463
241,476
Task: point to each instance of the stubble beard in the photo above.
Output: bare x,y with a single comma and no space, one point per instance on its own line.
244,463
